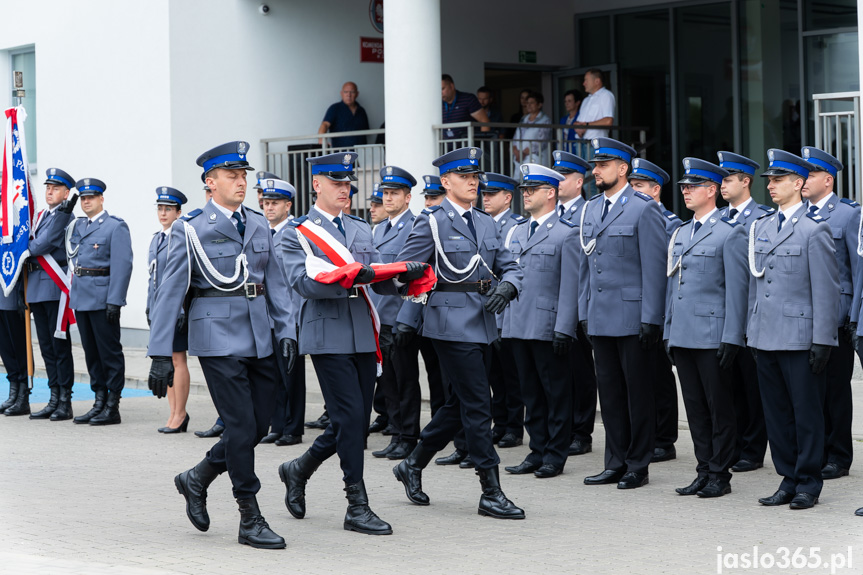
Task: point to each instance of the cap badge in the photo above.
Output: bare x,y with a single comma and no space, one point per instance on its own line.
347,159
86,181
557,156
164,190
686,164
635,163
270,184
389,170
595,142
428,180
241,147
805,153
525,169
473,153
52,171
720,157
770,155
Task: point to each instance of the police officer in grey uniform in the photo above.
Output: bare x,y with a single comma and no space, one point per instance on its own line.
236,286
43,294
751,443
843,215
705,318
99,247
793,300
541,324
622,300
571,200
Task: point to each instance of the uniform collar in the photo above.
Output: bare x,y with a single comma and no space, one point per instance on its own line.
616,196
278,227
823,201
790,210
502,215
395,220
703,220
568,205
97,216
329,215
228,213
541,219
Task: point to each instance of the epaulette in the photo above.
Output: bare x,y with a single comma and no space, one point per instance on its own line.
814,217
567,222
850,202
767,209
522,221
762,216
357,218
119,219
480,211
518,218
594,196
644,197
254,211
670,215
730,221
431,209
297,221
194,213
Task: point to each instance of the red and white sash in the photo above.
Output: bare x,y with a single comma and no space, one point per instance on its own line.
63,280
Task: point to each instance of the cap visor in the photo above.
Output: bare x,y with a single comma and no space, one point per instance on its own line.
693,180
605,158
465,170
392,185
779,172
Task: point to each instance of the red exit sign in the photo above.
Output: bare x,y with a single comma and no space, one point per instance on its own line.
371,49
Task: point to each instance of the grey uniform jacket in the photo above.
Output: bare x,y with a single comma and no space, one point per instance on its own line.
844,219
707,295
48,239
296,300
228,325
330,321
389,245
622,282
548,301
106,243
505,224
750,213
574,212
454,316
672,222
795,303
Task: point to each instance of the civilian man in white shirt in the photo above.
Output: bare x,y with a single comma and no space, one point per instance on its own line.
597,109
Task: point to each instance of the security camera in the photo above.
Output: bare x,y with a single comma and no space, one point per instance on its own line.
264,9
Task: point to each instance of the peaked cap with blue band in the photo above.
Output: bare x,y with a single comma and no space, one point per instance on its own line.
276,189
533,175
605,149
58,176
644,170
395,177
337,167
433,186
567,163
167,196
90,187
697,171
822,161
230,156
784,163
463,160
498,183
377,195
262,175
736,164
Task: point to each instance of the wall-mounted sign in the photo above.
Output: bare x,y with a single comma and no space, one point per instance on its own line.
376,14
371,49
527,57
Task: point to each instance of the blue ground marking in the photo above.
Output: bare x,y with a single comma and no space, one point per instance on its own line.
80,391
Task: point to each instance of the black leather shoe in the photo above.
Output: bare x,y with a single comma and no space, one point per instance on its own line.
493,502
388,430
830,471
359,516
633,480
295,474
466,463
522,468
182,429
548,470
401,450
383,452
98,406
663,454
580,447
254,530
289,440
111,414
270,438
409,473
378,425
746,465
214,431
320,423
803,501
64,406
22,402
46,411
693,487
715,488
454,458
192,485
509,440
607,477
859,512
778,498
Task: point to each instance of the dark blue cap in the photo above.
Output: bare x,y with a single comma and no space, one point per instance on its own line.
822,161
90,187
230,156
337,167
58,176
498,182
395,177
377,195
533,175
605,149
262,175
784,163
276,189
644,170
463,160
697,171
433,186
354,190
166,196
735,163
567,163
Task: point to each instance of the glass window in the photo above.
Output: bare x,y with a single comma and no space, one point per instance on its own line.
832,63
594,42
26,62
823,14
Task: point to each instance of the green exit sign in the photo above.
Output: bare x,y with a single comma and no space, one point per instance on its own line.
527,57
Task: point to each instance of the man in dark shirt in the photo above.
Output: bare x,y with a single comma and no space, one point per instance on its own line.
346,116
459,107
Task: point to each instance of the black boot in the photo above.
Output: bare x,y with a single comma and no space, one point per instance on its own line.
410,470
295,474
493,502
46,411
98,406
254,530
111,414
64,405
13,395
22,401
192,485
360,517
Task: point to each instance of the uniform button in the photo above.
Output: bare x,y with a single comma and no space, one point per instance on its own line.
599,253
767,295
679,297
220,252
712,312
771,266
801,313
598,289
319,314
770,281
208,313
599,271
702,251
684,267
446,301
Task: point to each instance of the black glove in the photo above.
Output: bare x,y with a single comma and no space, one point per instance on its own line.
22,305
583,325
182,325
850,331
404,334
366,275
112,312
819,355
415,271
726,354
147,313
504,293
561,343
161,375
66,206
649,335
667,346
386,342
290,351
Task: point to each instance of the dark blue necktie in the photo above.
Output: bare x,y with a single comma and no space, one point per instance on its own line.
338,221
161,241
241,227
605,208
695,228
533,226
388,227
469,220
733,213
272,231
562,210
781,219
812,209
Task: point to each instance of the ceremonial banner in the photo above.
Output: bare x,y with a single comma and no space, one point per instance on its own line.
16,207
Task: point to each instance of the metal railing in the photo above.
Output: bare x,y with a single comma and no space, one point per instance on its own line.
837,132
